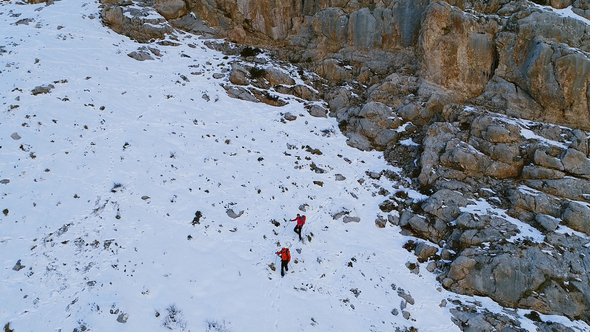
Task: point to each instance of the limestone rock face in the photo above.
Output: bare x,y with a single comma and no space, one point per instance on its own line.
374,121
577,216
509,56
458,51
538,57
582,8
171,9
527,276
547,193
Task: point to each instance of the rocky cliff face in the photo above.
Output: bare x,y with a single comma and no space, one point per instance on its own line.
483,104
512,57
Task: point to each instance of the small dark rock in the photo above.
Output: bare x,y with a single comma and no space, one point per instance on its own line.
197,218
18,266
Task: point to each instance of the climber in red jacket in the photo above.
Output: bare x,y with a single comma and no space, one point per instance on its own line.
300,221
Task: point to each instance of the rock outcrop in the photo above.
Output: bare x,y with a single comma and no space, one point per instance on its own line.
473,157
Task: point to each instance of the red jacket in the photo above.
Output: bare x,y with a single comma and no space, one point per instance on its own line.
285,254
300,220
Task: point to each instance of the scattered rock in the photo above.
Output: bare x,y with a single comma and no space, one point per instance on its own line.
232,214
380,222
406,314
15,136
122,318
18,266
413,267
348,219
406,296
290,117
240,93
24,21
140,55
197,218
340,214
431,266
317,111
42,89
339,177
424,251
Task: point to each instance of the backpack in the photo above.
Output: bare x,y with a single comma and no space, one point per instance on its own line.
300,220
286,255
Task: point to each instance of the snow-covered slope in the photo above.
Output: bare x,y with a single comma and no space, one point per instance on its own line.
103,175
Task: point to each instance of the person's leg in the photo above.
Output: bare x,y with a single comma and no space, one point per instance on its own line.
283,267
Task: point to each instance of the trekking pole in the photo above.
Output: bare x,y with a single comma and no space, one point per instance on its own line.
286,224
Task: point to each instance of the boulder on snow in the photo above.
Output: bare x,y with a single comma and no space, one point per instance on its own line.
18,266
140,55
122,318
42,89
232,214
348,219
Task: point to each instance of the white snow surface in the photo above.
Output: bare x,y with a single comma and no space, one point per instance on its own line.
111,166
